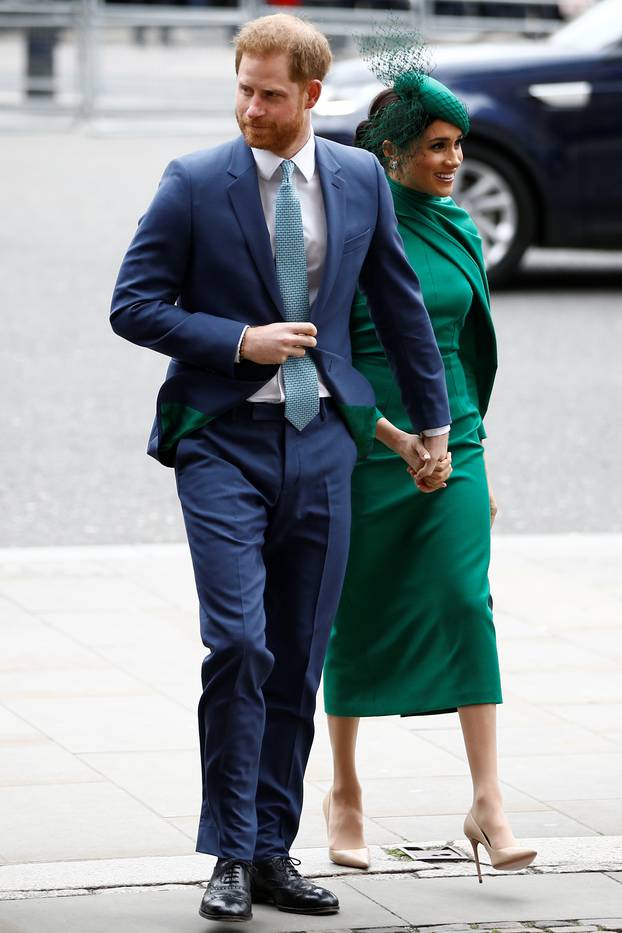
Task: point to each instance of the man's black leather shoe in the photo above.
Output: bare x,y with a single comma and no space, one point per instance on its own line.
228,894
277,882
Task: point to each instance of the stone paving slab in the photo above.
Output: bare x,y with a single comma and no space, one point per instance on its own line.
430,794
604,816
508,897
530,823
174,909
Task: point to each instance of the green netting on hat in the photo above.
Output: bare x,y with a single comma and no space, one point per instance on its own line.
400,61
393,50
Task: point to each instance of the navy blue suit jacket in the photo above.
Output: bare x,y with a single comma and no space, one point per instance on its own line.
200,267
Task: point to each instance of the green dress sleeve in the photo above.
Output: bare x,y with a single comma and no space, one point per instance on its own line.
478,355
474,354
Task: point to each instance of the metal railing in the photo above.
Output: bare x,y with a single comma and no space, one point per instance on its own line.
85,24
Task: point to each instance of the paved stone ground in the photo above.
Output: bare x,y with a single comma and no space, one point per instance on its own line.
99,675
99,779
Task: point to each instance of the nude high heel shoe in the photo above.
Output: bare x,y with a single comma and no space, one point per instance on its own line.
352,858
510,858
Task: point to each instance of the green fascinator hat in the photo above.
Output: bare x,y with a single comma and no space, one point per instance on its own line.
413,98
437,101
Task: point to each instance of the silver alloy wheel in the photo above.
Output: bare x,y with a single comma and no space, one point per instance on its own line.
486,195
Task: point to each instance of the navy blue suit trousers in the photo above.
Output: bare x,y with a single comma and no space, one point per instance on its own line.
267,513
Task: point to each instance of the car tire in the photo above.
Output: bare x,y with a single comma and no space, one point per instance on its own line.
501,205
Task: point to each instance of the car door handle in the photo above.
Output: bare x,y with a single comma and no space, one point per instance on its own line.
568,94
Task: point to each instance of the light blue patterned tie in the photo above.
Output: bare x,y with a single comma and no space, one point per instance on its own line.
302,402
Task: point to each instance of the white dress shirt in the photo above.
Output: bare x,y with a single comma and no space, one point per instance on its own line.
306,179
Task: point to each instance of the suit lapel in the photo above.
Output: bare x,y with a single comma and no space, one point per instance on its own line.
246,202
334,195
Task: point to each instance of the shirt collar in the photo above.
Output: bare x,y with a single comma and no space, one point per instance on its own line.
267,162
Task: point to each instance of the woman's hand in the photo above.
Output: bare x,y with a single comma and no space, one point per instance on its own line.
409,447
493,507
491,495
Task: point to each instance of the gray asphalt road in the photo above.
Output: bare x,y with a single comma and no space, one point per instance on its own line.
77,401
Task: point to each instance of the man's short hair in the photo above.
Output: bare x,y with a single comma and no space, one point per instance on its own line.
306,47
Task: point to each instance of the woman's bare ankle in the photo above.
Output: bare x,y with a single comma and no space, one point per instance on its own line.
489,813
347,795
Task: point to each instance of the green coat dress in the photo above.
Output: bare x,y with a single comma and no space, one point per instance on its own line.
414,632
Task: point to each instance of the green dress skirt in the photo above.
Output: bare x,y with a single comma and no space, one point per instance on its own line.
414,632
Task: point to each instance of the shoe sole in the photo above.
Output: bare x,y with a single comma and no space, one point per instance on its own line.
218,918
516,865
297,910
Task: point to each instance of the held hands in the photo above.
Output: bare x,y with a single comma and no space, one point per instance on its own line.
275,343
414,451
436,448
437,480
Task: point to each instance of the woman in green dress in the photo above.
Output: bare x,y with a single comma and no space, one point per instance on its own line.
414,632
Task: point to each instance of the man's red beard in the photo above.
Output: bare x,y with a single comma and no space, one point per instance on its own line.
270,135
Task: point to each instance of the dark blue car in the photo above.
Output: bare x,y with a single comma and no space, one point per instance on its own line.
543,161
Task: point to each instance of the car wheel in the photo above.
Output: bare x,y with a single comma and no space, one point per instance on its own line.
496,196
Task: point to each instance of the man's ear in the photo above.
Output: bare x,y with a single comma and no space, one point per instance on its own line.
312,93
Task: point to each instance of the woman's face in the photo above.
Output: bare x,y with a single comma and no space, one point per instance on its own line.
433,160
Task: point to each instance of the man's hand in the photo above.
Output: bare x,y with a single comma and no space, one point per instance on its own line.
275,343
437,449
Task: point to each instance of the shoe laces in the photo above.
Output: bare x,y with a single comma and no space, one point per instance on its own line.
287,865
232,871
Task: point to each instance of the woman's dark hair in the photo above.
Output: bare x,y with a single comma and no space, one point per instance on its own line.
380,101
364,131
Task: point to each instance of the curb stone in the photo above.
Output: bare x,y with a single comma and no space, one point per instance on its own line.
556,926
555,856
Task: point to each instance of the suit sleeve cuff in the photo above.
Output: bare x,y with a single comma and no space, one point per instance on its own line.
237,352
435,432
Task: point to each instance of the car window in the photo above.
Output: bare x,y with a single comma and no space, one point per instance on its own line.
598,28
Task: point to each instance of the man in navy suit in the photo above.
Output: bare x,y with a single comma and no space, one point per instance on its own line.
243,271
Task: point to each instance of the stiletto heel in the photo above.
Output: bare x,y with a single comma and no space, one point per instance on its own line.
474,844
509,858
352,858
